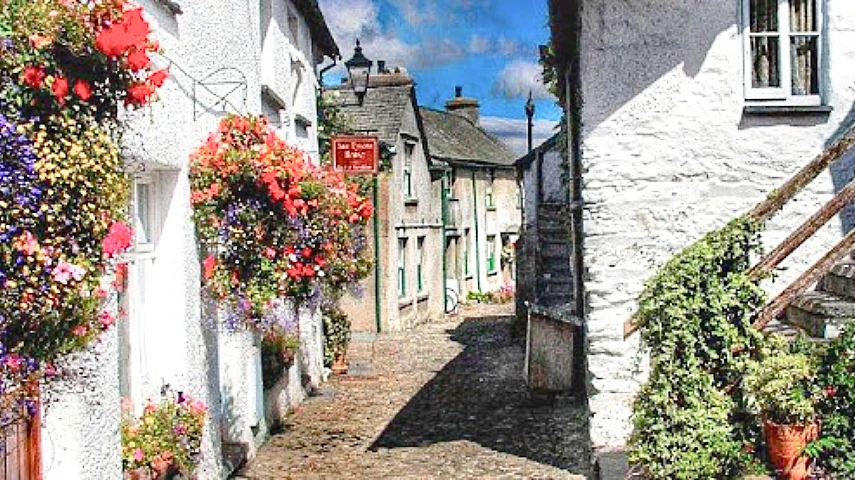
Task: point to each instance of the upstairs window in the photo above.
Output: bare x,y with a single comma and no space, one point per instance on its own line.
409,149
783,51
491,201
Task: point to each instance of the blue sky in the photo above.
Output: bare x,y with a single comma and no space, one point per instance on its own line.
487,46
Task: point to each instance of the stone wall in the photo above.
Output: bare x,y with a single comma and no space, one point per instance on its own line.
669,154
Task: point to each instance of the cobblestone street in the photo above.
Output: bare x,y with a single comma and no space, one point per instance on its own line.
443,401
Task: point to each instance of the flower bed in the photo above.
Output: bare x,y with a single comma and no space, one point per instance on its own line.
66,67
275,226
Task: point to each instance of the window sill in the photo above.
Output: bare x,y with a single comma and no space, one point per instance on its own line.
491,208
405,302
422,297
785,109
410,202
493,273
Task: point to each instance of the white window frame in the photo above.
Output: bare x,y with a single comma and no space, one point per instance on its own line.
407,180
402,268
782,95
420,274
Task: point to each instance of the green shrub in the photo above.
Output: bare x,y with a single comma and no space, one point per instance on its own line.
837,409
695,318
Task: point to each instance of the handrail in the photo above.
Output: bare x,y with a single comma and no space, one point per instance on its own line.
773,204
800,286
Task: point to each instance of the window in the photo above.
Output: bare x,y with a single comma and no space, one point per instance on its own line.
491,202
420,246
408,170
783,50
294,28
402,267
519,198
450,177
491,254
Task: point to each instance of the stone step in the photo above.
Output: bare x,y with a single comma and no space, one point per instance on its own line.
841,280
821,314
555,250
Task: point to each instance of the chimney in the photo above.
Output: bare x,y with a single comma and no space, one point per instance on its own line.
465,107
381,66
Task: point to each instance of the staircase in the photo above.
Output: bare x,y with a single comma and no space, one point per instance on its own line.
823,312
554,282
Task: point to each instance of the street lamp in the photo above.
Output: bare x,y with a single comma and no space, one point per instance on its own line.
359,70
529,113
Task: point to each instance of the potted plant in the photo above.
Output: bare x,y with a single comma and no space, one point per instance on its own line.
337,335
165,441
782,388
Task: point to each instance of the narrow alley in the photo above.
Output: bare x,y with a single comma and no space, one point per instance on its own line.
447,400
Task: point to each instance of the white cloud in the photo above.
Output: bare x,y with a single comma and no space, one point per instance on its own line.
513,132
479,45
418,12
520,77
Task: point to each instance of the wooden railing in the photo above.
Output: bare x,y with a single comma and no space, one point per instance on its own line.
776,201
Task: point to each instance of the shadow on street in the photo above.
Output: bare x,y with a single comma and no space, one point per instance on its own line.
481,396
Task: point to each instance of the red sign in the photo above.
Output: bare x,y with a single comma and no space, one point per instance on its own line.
358,155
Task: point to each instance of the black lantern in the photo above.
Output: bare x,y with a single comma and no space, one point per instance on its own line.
359,70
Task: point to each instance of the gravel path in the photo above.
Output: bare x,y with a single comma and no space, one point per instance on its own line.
442,401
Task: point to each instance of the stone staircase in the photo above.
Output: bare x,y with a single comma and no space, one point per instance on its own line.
822,312
554,283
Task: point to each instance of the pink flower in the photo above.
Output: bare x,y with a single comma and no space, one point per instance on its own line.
149,407
118,239
13,361
65,272
197,407
138,455
50,370
100,293
80,331
27,244
158,78
107,319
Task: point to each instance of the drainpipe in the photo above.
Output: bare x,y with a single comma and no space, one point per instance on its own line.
444,234
325,70
377,303
477,237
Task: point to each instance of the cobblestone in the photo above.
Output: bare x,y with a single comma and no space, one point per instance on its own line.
443,401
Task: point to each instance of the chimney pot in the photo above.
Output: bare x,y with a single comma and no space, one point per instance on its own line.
458,91
381,66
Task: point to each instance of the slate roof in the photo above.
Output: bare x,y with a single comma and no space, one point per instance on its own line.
549,144
454,138
382,110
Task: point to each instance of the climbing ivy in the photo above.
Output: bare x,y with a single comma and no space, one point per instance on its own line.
695,320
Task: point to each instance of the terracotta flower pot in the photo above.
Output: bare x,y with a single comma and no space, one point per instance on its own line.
339,366
786,444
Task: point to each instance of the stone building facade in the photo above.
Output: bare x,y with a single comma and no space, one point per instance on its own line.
680,119
234,56
482,199
409,229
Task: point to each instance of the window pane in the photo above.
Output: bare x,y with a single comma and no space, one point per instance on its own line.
764,15
803,16
804,60
765,58
143,214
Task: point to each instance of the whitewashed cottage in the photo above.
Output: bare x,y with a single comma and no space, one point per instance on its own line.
682,116
234,56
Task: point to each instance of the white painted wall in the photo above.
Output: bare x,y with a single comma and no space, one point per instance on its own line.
175,341
669,155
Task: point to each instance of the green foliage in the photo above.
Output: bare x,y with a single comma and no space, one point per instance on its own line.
836,451
695,319
277,354
781,386
336,333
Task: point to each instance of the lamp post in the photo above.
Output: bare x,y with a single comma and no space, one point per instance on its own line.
359,71
529,113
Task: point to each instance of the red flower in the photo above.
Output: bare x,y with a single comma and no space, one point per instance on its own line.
135,27
139,94
138,60
34,76
157,78
118,239
60,89
112,41
83,90
208,267
306,252
831,391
